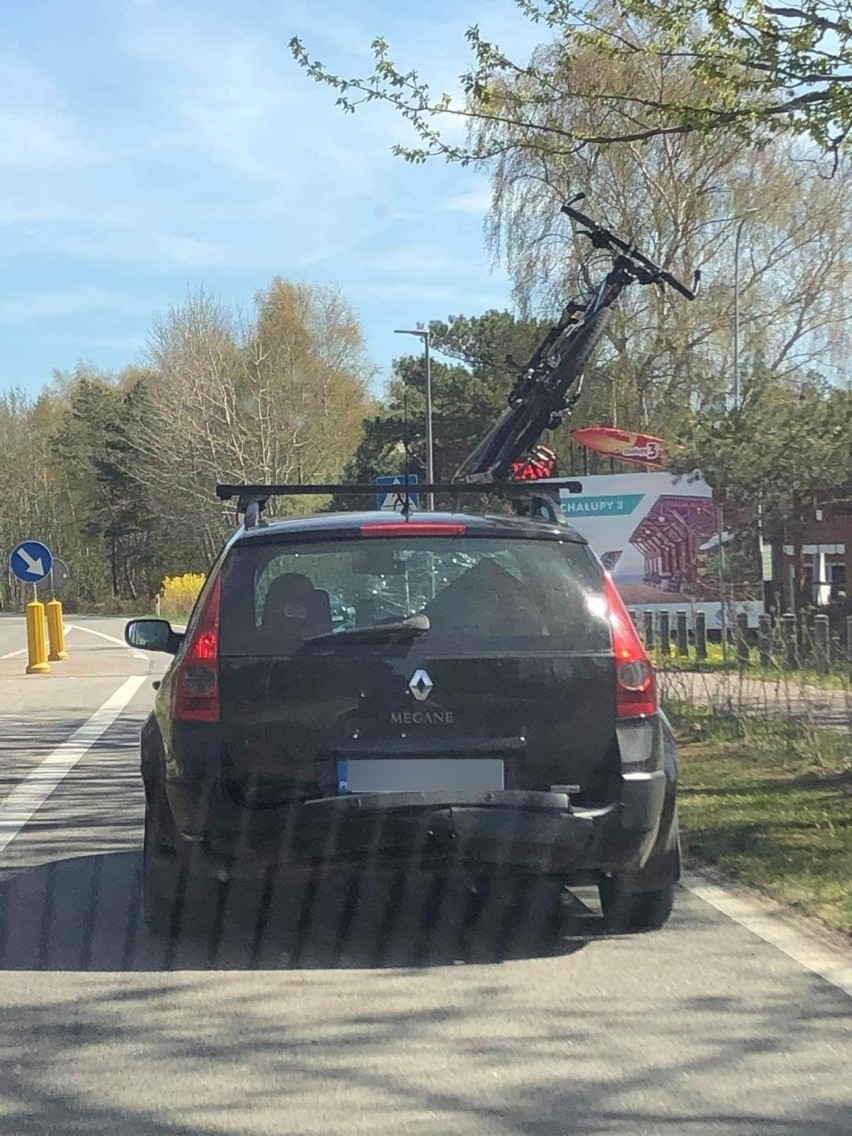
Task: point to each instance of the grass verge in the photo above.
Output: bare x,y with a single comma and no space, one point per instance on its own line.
769,803
837,677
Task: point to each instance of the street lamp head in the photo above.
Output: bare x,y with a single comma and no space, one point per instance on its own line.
421,331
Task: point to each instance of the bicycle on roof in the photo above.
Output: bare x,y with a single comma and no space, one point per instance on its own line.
540,398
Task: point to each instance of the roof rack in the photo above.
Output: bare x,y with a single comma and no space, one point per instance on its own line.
252,499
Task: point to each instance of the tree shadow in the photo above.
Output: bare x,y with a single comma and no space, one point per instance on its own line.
538,1049
832,782
349,1012
85,914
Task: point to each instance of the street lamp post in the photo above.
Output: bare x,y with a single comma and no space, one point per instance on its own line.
743,220
424,334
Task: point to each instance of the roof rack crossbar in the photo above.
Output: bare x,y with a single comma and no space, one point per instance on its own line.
261,493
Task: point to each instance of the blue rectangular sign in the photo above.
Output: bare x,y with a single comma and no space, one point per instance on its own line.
396,486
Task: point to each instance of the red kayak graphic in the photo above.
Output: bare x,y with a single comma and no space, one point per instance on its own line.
626,445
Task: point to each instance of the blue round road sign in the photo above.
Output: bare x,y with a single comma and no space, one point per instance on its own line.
31,561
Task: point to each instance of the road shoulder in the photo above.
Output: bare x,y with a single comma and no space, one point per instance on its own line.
814,946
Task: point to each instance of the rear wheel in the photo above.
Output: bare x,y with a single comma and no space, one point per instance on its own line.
534,405
543,405
635,911
174,901
159,879
579,348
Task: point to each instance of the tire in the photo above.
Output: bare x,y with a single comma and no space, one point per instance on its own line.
580,347
159,880
534,414
521,426
634,912
174,901
494,442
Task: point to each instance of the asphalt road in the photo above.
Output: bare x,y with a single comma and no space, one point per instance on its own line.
354,1012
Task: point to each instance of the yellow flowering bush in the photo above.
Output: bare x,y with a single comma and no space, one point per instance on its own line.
179,594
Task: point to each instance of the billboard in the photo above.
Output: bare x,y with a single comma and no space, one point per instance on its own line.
661,537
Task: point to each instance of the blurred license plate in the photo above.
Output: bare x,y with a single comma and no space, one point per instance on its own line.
396,775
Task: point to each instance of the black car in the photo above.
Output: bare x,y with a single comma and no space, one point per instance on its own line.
467,693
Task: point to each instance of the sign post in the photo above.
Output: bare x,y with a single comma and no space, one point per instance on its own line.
31,562
59,576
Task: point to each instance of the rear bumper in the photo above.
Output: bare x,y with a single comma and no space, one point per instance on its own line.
529,831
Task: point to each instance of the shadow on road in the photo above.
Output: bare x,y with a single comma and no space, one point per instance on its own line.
64,909
85,914
524,1051
627,1038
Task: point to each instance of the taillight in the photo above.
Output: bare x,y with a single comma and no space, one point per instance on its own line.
413,528
197,683
635,685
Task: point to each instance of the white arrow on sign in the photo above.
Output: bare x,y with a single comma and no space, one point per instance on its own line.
34,566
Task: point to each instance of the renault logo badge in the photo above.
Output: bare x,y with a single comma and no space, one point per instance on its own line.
420,685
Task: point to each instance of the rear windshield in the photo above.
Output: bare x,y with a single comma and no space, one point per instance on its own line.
478,593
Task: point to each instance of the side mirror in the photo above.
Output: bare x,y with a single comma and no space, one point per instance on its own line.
152,635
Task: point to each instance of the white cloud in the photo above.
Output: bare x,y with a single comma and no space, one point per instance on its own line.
32,140
336,29
242,101
36,129
199,254
415,259
116,239
432,294
51,205
221,163
124,343
475,201
53,305
234,97
21,214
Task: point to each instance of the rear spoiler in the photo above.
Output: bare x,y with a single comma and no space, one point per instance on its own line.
539,494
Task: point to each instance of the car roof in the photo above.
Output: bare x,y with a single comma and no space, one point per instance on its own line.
477,525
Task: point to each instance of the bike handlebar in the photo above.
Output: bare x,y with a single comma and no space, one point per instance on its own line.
603,238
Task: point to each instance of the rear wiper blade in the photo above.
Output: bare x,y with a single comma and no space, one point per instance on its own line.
413,625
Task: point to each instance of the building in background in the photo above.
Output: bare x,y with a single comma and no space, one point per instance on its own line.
822,543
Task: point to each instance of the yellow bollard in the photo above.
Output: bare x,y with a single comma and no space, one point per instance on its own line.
56,631
37,639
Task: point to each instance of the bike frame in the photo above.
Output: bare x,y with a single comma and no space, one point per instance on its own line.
539,398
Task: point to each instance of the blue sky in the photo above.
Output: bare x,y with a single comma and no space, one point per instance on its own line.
148,147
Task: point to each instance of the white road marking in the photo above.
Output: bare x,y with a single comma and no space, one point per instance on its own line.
27,797
109,639
14,654
764,919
